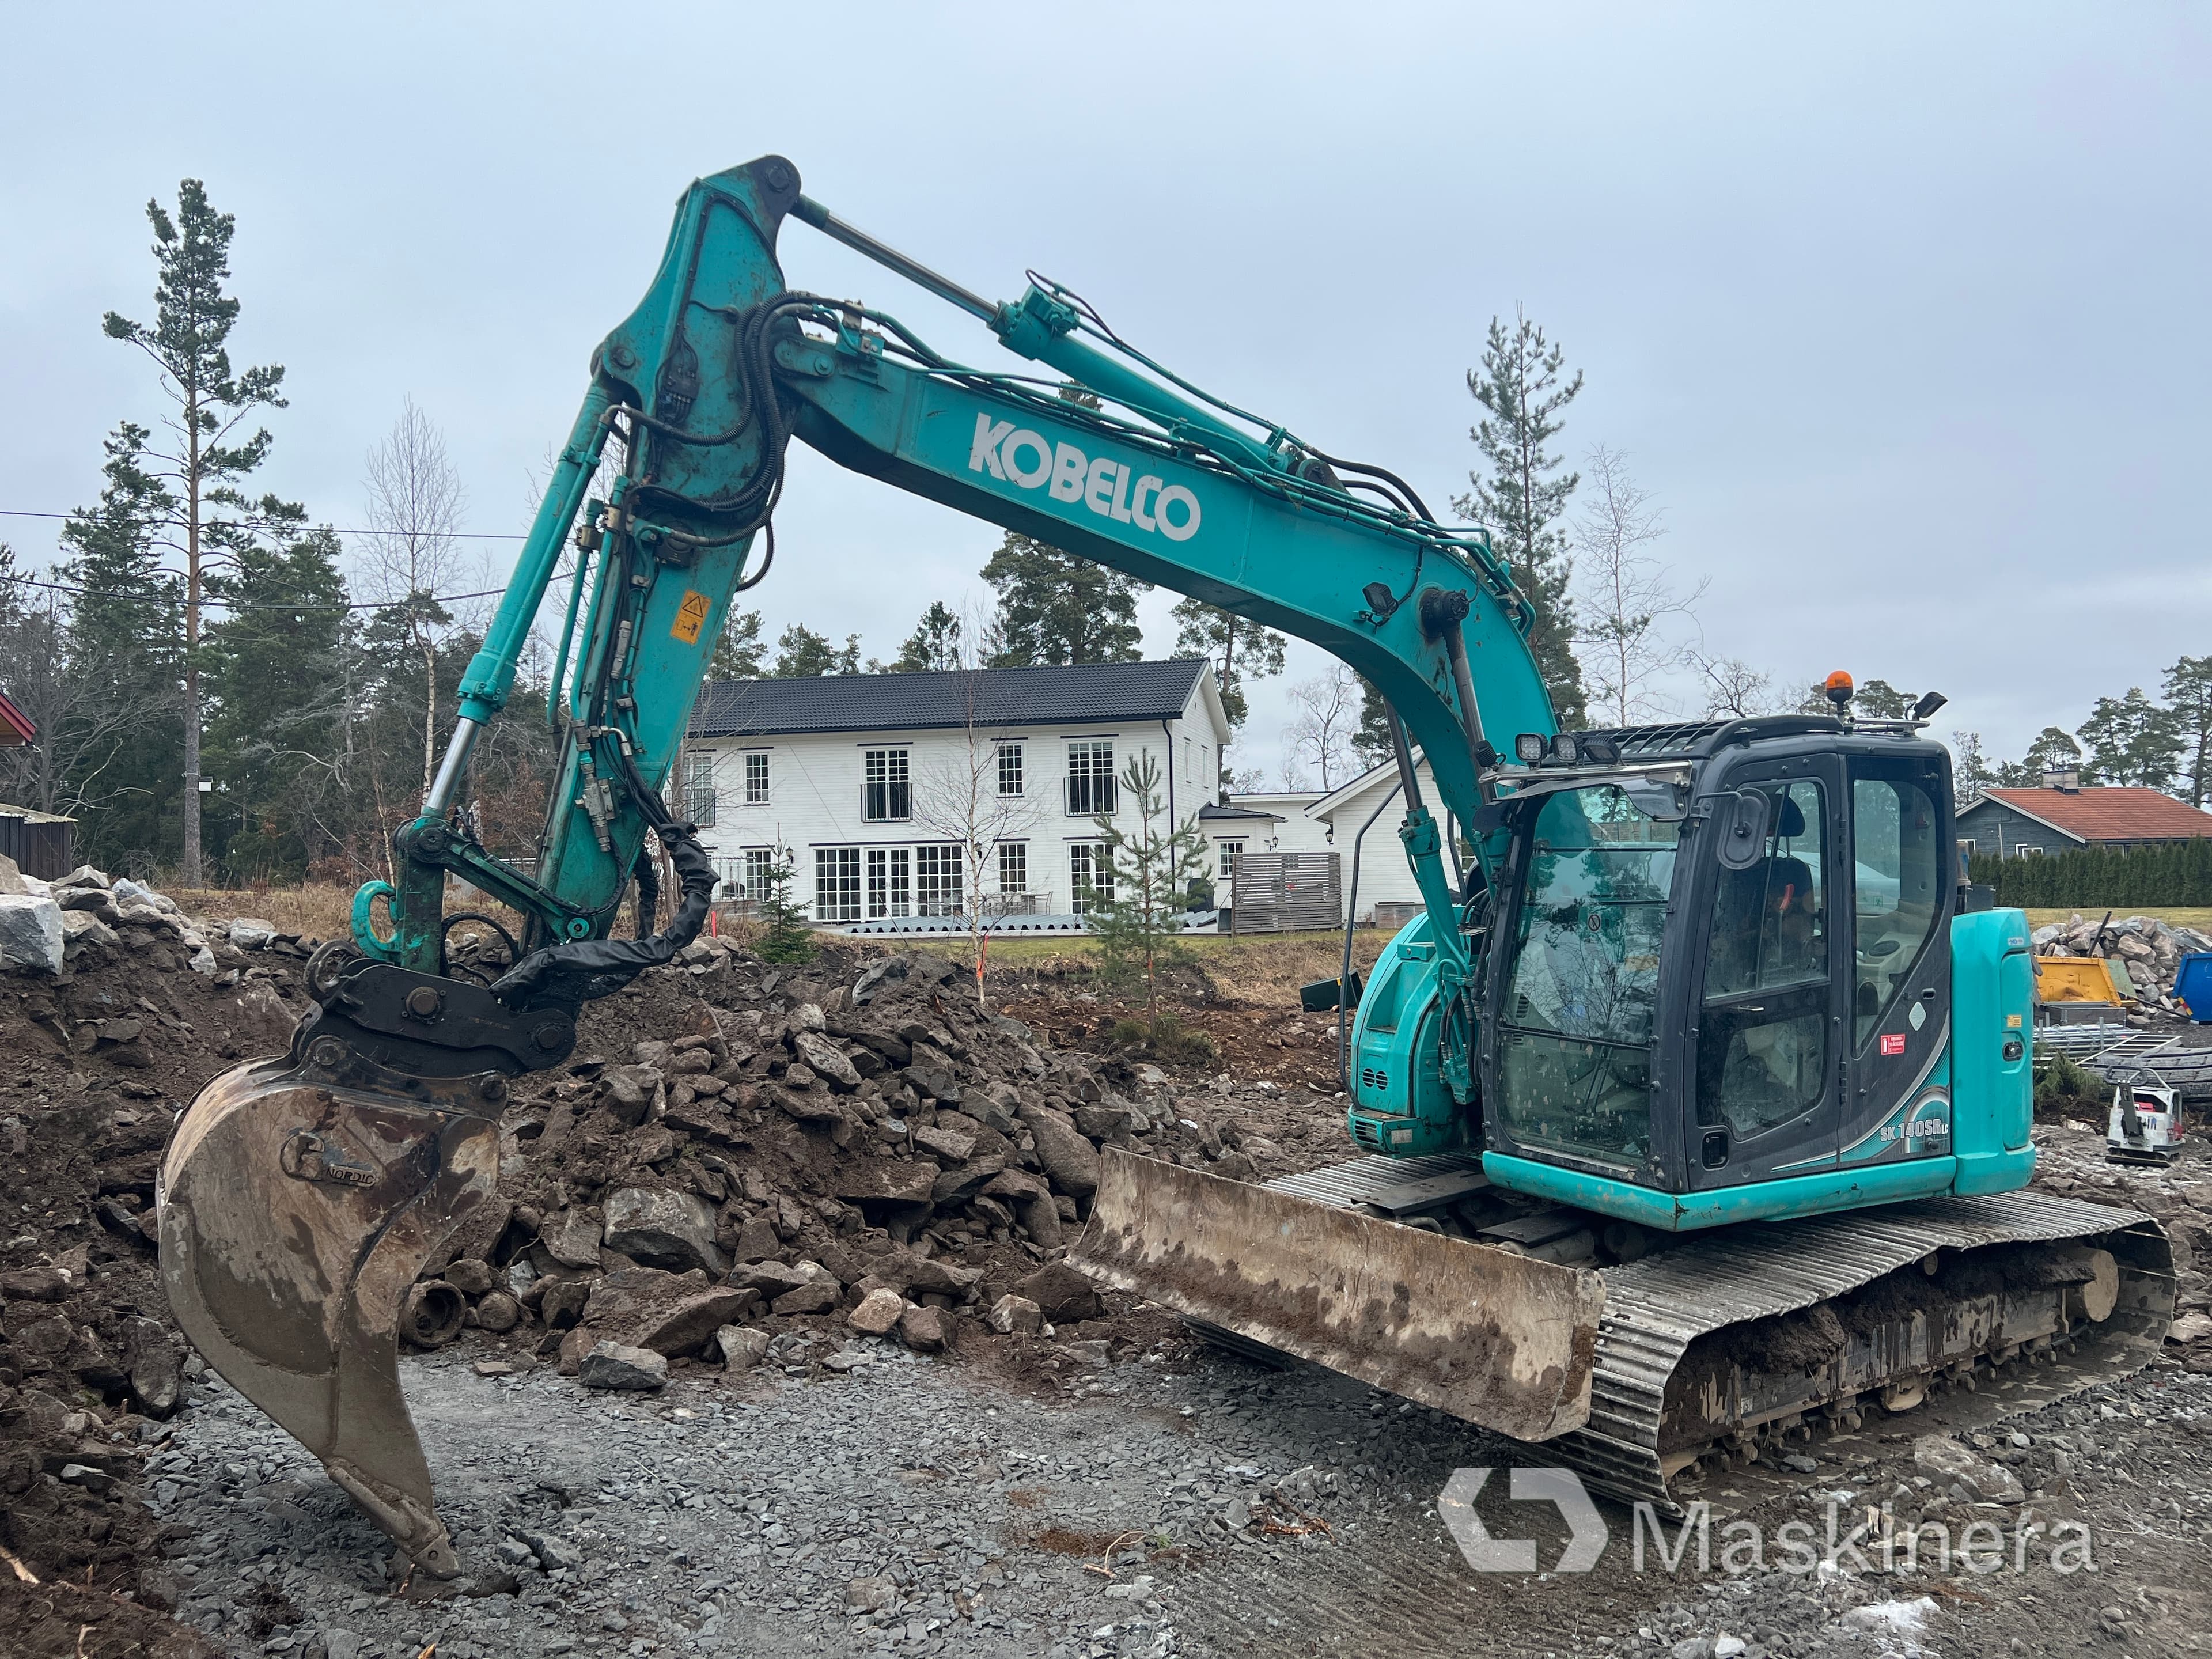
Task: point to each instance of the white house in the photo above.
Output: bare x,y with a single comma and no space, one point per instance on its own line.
1384,877
878,789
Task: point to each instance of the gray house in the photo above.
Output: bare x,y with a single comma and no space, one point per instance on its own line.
2063,816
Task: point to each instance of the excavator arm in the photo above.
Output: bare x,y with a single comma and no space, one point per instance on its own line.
302,1195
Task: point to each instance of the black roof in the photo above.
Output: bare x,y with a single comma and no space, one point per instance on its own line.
1212,811
1080,694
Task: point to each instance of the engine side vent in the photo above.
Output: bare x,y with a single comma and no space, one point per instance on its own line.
1371,1079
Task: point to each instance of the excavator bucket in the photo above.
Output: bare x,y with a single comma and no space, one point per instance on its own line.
1505,1341
297,1204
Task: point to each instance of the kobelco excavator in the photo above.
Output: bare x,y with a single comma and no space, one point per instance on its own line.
1694,1108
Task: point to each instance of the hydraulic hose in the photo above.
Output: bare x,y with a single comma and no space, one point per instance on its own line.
1350,922
568,974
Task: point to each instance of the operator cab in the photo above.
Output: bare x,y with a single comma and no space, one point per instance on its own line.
1723,957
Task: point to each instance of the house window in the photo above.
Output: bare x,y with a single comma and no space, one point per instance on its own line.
699,788
1013,867
1090,875
1090,778
1231,852
1009,769
937,884
887,797
760,873
836,883
2028,852
757,778
890,882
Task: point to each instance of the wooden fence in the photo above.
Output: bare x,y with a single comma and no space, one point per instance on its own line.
1285,892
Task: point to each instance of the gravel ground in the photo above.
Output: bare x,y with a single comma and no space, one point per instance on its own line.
915,1506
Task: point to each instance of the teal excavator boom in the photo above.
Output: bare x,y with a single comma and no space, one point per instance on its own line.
1688,983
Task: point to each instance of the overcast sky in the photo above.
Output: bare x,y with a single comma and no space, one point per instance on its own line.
1898,311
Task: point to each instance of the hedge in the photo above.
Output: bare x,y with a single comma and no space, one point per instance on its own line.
2101,878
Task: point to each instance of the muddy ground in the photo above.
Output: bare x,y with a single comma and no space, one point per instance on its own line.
1111,1487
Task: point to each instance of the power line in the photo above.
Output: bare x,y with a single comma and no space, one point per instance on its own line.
442,535
215,604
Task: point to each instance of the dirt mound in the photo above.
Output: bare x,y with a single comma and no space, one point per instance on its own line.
102,1056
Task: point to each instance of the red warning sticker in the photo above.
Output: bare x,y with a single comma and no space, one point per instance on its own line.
1893,1042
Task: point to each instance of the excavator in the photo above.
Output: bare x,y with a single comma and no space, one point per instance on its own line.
1692,1114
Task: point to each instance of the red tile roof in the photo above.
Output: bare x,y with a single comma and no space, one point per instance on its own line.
16,726
2109,813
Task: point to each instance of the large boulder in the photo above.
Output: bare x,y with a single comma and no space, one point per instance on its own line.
1070,1161
662,1229
252,933
1061,1293
884,1179
574,1240
30,934
668,1313
826,1059
612,1365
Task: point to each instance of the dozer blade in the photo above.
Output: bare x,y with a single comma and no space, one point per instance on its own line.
297,1204
1501,1340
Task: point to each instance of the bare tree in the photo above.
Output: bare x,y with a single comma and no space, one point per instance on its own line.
1322,734
77,714
415,505
1626,593
975,797
1733,687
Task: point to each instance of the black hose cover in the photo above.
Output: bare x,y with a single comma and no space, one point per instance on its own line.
566,974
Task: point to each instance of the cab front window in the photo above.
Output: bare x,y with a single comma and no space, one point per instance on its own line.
1575,1027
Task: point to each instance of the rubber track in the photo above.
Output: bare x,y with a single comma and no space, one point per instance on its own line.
1657,1307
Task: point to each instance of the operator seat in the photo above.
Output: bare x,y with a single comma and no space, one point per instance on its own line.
1755,942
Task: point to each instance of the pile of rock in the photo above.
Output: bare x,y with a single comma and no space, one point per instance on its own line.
2146,947
44,924
880,1155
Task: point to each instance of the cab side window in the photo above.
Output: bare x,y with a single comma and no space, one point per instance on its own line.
1897,888
1762,1035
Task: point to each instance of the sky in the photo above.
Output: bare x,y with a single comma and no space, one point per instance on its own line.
1895,311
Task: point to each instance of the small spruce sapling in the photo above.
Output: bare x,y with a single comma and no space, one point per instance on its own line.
1151,870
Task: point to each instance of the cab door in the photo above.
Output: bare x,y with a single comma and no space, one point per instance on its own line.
1767,1031
1897,1101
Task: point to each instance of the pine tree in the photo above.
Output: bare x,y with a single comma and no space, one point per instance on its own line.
934,645
2189,691
1521,387
1151,869
2130,740
193,317
125,631
788,938
2053,750
1239,649
740,654
1371,742
803,655
1055,608
275,697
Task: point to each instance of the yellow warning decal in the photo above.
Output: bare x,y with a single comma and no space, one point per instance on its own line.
691,616
2012,1022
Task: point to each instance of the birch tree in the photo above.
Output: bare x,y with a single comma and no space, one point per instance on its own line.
415,503
1626,597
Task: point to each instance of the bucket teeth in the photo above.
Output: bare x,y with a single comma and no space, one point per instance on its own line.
295,1212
